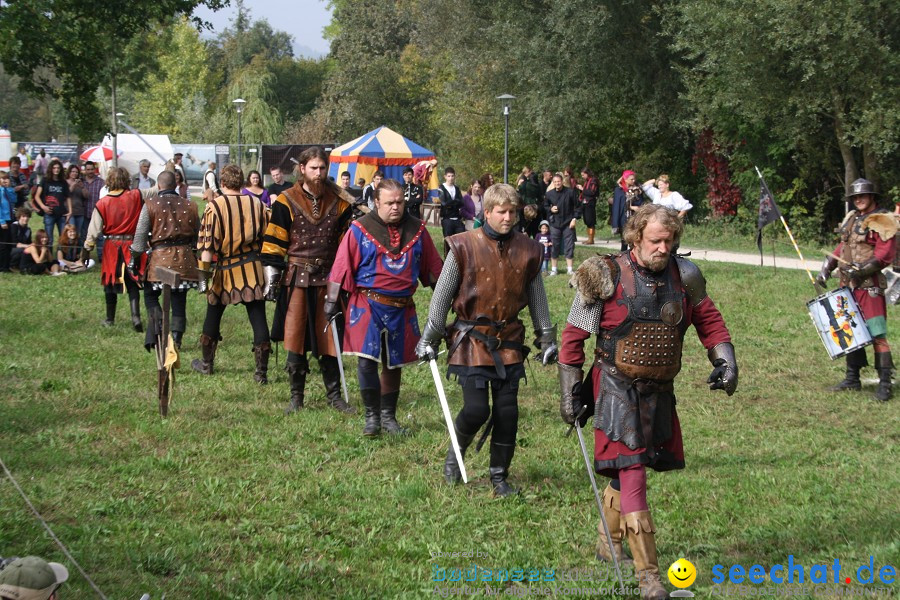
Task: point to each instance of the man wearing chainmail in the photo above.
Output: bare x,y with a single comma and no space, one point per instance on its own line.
867,246
307,224
379,264
490,275
168,225
639,304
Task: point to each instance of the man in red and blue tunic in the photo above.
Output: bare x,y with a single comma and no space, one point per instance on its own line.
867,246
379,264
638,304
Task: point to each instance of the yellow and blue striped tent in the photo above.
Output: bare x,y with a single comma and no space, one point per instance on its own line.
382,149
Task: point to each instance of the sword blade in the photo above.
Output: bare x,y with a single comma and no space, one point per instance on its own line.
590,470
340,361
449,420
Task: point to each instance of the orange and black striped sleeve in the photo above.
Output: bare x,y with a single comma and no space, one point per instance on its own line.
277,237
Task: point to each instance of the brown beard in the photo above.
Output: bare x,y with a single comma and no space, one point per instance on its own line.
654,264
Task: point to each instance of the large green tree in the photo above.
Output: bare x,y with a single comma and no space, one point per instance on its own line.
70,48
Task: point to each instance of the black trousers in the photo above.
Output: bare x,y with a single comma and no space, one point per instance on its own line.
256,312
179,301
476,408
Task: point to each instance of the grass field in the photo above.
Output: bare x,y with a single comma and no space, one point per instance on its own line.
227,498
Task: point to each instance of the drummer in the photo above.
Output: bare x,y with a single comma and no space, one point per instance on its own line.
867,246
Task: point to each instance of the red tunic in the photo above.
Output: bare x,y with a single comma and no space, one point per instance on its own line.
711,330
884,252
120,214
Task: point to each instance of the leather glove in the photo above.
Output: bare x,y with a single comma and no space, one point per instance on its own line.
725,370
133,266
430,343
270,287
332,305
860,271
204,271
546,345
570,391
828,265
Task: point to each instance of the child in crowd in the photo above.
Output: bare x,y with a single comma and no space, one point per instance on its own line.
543,238
7,202
68,252
36,259
20,236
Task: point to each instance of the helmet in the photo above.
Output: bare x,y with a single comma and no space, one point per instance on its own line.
861,186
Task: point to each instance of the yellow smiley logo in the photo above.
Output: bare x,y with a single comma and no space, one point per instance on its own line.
682,573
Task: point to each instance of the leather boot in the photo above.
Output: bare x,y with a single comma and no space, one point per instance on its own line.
372,403
642,541
208,347
154,326
501,457
590,239
136,315
885,366
856,360
331,376
612,512
389,413
452,474
110,313
261,354
177,327
297,377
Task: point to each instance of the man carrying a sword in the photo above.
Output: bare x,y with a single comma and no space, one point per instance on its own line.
867,246
379,263
490,275
639,305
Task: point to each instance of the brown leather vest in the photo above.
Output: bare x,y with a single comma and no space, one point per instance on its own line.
315,235
647,344
493,290
855,249
174,224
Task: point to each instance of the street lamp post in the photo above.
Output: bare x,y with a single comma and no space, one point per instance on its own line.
506,98
239,107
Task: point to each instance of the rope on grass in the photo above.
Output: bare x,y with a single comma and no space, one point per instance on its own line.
50,531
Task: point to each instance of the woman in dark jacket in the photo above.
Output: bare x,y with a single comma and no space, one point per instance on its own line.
626,198
589,192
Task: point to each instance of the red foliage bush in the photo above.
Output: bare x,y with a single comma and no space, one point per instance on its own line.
724,196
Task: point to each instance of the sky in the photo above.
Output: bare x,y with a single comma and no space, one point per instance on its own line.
303,19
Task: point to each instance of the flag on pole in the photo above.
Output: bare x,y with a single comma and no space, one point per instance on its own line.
768,213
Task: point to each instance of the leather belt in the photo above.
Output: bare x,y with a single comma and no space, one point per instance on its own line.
311,266
118,238
242,259
395,301
493,343
172,243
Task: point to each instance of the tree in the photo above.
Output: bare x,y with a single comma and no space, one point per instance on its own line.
70,48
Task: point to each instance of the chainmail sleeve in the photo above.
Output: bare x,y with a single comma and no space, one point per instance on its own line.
585,317
444,291
142,233
537,304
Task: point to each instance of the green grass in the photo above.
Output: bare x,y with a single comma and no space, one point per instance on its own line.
227,498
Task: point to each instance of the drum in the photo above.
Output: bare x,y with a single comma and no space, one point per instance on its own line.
840,322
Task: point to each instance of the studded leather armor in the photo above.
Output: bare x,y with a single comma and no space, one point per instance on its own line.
647,345
856,249
174,225
316,230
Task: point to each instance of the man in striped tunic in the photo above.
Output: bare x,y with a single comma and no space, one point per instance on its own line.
231,230
307,224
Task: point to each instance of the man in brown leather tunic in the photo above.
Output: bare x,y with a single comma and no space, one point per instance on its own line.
306,226
168,224
489,276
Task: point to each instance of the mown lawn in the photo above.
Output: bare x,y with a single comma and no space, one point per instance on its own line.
227,498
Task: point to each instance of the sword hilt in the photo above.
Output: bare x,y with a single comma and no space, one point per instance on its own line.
331,320
577,418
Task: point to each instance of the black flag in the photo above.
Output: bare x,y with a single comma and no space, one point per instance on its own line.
768,213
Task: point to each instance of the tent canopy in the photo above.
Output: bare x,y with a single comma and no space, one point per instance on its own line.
382,149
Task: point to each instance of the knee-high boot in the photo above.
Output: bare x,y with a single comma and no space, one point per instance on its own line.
297,375
331,376
389,413
452,474
208,347
590,236
261,354
642,541
612,511
884,364
110,310
372,402
501,458
136,314
856,360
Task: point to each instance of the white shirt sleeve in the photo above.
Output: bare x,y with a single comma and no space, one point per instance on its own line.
678,202
652,192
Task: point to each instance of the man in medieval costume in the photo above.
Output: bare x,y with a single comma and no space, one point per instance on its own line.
116,217
379,264
307,224
168,225
490,275
639,305
867,246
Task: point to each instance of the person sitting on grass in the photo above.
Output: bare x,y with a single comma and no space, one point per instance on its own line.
20,236
36,259
68,252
